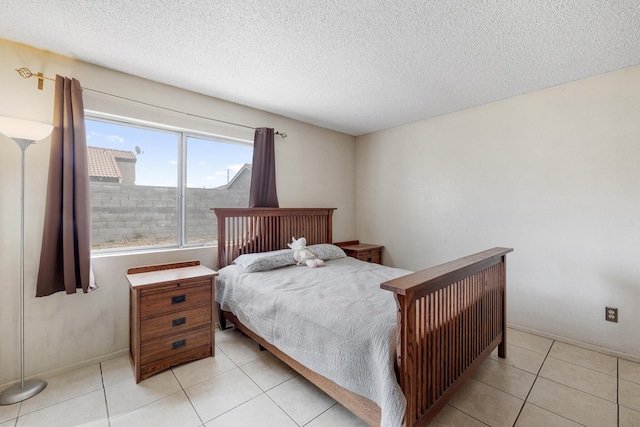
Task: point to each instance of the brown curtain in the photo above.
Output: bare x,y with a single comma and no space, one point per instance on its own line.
65,259
263,174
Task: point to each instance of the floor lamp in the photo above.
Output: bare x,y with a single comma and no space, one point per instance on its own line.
24,133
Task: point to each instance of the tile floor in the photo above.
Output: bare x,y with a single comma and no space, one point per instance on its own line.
542,383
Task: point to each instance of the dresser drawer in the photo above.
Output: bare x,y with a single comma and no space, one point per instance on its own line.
174,345
175,322
174,298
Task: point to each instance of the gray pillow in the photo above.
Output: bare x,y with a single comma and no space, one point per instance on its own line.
264,261
327,251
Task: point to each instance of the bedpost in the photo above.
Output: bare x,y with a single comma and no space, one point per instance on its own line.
502,347
222,321
405,357
329,237
222,248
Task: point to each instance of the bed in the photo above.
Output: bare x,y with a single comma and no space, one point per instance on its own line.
448,318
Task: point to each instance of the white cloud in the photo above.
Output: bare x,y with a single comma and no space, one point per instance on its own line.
115,138
213,178
173,162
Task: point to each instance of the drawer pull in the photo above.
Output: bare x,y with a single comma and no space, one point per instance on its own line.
178,322
178,344
178,299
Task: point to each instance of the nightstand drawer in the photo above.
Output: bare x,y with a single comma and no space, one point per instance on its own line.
174,345
175,322
363,251
174,298
369,256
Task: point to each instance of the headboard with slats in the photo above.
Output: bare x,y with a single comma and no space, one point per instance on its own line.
251,230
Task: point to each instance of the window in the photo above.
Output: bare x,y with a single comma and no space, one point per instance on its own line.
155,186
218,175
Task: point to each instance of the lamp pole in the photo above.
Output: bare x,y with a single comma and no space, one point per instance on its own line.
24,389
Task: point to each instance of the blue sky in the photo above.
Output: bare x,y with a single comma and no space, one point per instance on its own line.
208,162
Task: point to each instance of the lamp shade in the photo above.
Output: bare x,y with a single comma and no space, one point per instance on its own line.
24,129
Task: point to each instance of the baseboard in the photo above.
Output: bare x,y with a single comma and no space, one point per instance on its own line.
84,364
575,342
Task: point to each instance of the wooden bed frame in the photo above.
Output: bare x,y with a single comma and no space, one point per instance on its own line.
450,317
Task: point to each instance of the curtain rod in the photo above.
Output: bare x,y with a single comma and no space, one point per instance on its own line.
26,73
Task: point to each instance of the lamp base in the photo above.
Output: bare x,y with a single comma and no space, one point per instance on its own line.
16,393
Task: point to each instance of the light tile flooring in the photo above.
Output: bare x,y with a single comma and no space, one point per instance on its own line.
542,383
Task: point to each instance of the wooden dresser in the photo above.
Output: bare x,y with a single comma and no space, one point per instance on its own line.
362,251
171,315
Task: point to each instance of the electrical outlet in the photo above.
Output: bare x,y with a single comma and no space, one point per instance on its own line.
611,314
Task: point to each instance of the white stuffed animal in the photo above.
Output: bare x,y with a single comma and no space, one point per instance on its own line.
303,255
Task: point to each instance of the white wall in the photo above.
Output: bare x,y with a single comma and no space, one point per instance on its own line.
64,330
554,174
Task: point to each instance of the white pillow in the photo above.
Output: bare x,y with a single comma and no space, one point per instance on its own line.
263,261
327,251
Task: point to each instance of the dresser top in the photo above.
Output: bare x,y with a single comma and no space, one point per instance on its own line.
168,275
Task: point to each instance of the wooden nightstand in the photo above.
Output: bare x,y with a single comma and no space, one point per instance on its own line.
171,315
362,251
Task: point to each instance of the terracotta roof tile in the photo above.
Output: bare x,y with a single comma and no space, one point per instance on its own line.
102,161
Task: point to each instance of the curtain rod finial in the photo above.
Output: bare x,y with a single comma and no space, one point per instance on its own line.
26,73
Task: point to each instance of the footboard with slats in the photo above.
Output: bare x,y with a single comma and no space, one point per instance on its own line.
450,317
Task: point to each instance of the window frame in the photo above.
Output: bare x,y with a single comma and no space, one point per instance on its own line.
182,134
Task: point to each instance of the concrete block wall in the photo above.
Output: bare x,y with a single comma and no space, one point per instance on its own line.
122,214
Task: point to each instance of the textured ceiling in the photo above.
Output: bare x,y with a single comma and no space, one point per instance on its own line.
355,66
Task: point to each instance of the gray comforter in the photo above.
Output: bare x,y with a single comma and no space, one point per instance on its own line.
334,320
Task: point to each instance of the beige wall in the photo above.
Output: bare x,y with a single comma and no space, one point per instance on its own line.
554,174
314,168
